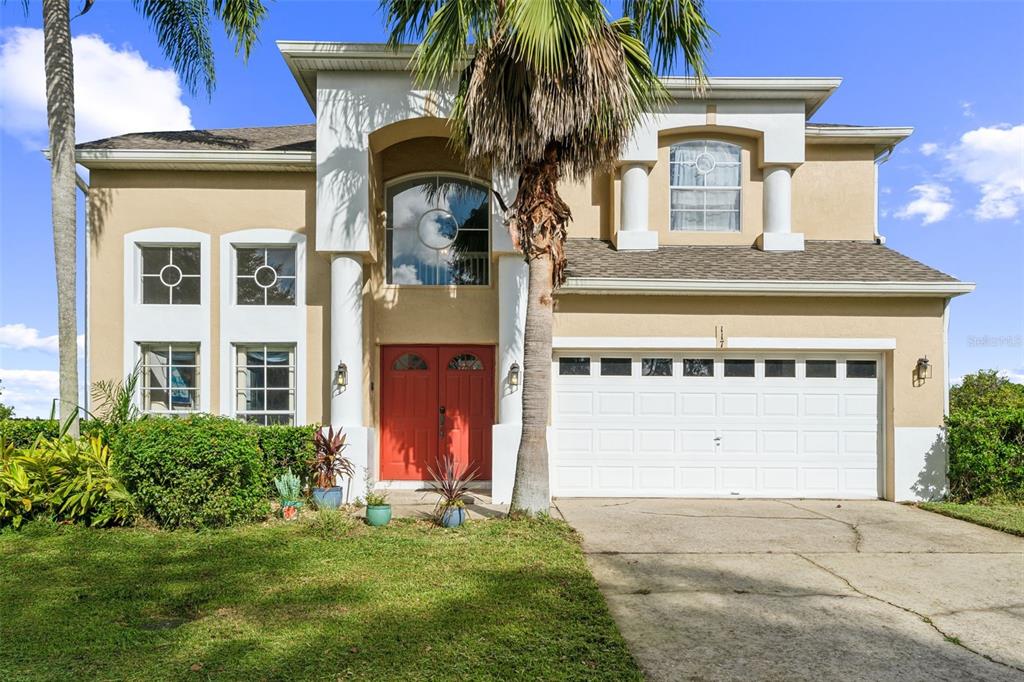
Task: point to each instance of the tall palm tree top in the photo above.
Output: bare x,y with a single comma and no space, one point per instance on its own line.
570,81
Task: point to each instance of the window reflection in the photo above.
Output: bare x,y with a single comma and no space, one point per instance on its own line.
437,232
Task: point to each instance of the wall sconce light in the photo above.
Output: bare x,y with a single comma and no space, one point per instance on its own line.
513,375
923,369
341,375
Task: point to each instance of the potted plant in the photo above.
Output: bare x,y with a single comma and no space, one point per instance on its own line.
289,487
451,485
329,465
378,509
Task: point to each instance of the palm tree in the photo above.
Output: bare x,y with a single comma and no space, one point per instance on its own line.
182,29
545,90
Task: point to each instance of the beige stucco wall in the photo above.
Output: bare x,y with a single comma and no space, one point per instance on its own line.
834,192
916,324
215,203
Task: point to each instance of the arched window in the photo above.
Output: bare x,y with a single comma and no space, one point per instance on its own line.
409,362
465,361
438,231
704,181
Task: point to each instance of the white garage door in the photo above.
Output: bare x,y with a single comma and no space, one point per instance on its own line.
699,423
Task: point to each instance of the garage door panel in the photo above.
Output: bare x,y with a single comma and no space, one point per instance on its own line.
821,405
615,441
697,404
716,436
654,405
656,441
739,405
697,442
780,442
615,404
780,405
575,404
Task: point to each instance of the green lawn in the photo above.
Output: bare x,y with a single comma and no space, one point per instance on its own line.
1008,518
305,601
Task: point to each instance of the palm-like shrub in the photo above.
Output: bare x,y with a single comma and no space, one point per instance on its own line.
329,463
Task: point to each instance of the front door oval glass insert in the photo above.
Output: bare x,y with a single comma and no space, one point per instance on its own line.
409,362
466,362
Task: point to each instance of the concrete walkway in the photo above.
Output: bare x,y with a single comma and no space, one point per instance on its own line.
806,589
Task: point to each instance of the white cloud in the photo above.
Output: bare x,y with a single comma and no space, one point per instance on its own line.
29,391
405,274
992,158
928,148
967,109
116,90
1014,375
22,337
933,203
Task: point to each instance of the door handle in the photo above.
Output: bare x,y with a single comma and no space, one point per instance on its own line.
440,418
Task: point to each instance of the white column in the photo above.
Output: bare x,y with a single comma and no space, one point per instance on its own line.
778,212
635,195
347,347
513,277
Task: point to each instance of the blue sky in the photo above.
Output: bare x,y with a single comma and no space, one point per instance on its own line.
952,195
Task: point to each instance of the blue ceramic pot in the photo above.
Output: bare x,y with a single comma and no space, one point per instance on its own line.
327,498
378,514
453,517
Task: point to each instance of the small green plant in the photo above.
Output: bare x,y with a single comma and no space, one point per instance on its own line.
63,479
375,498
115,403
289,487
331,523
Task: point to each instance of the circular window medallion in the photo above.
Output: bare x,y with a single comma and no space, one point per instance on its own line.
265,276
170,275
437,229
704,163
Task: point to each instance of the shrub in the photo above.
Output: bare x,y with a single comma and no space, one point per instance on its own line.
287,447
985,390
22,433
62,479
986,453
194,472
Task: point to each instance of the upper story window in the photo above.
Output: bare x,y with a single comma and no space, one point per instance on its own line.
704,178
265,276
438,231
170,274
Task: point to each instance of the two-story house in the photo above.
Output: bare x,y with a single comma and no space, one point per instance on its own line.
732,323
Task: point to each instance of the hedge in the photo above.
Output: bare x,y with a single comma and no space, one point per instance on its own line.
986,454
287,447
23,432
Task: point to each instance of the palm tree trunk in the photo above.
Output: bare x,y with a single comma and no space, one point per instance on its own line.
530,493
538,223
60,110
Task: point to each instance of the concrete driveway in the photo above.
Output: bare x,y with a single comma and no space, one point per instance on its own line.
806,589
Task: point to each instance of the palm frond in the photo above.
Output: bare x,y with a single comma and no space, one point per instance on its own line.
668,27
182,30
242,20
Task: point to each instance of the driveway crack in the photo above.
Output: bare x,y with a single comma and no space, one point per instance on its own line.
858,538
925,619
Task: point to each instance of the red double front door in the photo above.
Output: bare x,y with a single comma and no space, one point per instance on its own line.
435,400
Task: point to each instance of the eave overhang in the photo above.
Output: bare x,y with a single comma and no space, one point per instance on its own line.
306,58
178,159
883,138
607,285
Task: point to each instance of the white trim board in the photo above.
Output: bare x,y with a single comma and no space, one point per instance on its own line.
640,342
773,343
729,287
216,159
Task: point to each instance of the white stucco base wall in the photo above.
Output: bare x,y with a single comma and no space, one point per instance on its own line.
919,471
361,450
505,453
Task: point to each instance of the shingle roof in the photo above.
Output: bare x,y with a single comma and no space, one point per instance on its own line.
274,138
821,261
